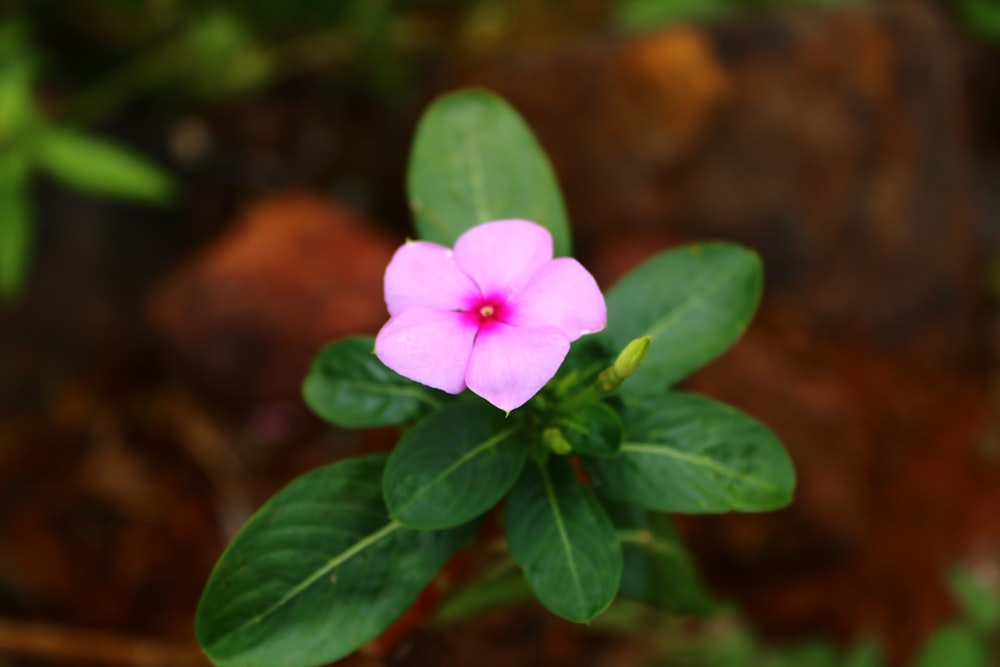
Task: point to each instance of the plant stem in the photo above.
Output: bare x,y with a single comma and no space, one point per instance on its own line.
43,641
500,586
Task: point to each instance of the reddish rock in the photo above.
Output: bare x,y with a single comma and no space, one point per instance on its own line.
830,140
247,314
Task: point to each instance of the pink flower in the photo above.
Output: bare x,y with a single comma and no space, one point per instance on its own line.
496,314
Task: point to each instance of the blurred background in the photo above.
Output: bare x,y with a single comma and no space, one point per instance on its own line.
195,196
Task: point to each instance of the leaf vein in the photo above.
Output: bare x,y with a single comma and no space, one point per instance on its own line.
475,172
332,564
563,536
487,444
659,449
356,386
697,300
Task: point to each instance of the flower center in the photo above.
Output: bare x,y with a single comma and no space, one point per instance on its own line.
485,310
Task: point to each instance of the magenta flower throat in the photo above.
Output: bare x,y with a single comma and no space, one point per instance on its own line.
495,315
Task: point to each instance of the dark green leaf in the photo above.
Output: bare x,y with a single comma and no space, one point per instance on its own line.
953,645
348,386
593,428
15,222
559,533
694,301
474,160
317,572
453,466
658,570
587,357
100,167
686,453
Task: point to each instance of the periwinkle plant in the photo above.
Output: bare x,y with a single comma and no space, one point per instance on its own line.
571,423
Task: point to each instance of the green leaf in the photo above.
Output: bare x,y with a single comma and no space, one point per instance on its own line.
694,301
645,14
452,466
686,453
17,107
348,386
658,570
594,429
15,222
100,167
953,645
317,572
866,653
983,16
587,357
475,160
809,654
559,533
221,55
977,598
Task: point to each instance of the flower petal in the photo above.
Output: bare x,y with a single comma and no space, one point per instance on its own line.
429,346
510,364
500,256
425,274
560,294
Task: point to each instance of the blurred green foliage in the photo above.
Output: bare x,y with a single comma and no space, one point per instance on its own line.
641,14
189,52
91,61
29,141
100,57
982,17
969,640
744,650
724,640
67,66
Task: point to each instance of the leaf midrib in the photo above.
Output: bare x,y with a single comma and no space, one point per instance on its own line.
474,171
354,386
463,154
564,540
661,449
365,542
487,444
694,302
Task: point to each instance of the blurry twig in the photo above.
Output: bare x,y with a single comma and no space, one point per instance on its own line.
65,645
211,448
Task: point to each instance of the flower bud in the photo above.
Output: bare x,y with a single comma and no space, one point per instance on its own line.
631,357
556,441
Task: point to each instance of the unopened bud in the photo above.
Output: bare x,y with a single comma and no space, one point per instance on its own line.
556,441
631,357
